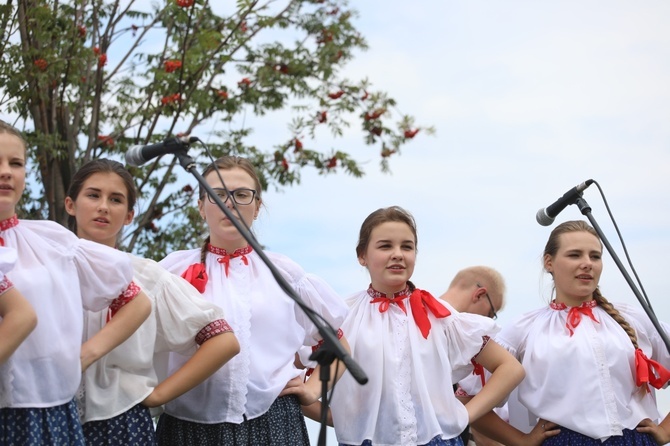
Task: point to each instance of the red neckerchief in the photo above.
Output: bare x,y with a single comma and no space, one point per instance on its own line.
575,313
421,301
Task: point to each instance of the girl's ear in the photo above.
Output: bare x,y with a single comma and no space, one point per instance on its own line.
129,217
69,206
362,261
548,264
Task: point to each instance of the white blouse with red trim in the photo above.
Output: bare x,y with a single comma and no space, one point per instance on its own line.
59,275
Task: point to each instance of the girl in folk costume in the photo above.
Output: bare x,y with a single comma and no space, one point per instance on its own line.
589,364
255,398
59,275
413,348
119,389
17,316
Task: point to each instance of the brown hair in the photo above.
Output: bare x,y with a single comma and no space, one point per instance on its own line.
101,165
552,247
383,215
8,128
228,162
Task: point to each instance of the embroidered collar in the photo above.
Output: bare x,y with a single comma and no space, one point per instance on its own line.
9,223
222,252
378,294
561,306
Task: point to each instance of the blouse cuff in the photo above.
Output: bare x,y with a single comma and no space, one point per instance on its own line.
340,333
212,329
131,292
5,285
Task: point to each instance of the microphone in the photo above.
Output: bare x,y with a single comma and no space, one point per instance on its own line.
140,154
546,216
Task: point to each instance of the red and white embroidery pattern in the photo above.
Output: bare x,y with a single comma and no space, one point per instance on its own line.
212,329
9,223
5,284
125,297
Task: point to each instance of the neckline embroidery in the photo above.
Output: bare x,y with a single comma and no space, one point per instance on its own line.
9,223
222,252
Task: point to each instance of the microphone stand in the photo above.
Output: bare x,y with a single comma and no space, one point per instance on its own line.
585,209
331,348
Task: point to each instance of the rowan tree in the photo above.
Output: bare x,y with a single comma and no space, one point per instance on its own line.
89,78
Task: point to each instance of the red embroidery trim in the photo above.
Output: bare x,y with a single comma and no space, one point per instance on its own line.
9,223
125,297
309,371
212,329
5,284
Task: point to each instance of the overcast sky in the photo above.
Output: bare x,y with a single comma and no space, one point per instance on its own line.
528,99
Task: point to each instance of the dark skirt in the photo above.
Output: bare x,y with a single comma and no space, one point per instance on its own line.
437,441
572,438
132,428
282,425
54,426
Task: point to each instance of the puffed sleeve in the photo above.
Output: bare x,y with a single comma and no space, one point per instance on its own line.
648,333
183,318
7,261
316,294
104,273
467,334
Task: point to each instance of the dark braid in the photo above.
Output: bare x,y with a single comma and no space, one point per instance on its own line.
203,250
614,314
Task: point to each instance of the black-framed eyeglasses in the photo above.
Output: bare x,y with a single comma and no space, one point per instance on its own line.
241,196
493,315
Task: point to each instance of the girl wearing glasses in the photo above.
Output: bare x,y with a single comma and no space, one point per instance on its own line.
590,364
414,348
120,388
255,398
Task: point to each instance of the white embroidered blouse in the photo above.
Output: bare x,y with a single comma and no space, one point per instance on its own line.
59,274
409,398
584,381
180,320
269,326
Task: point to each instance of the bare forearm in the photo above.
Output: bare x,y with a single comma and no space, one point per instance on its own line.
494,427
117,330
17,322
501,383
209,358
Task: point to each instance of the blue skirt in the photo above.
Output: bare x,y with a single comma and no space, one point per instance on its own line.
630,437
437,441
283,424
132,428
55,426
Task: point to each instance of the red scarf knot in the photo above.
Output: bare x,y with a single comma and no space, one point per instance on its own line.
575,313
479,370
387,301
225,257
196,275
648,371
421,301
